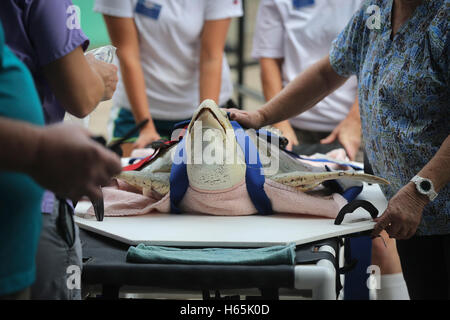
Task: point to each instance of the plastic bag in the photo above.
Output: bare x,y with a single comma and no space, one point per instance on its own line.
105,54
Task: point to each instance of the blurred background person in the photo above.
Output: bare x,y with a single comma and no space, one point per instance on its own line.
289,37
171,57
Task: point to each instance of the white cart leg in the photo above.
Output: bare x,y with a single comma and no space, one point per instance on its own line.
321,278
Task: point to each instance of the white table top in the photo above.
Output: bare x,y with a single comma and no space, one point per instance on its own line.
218,231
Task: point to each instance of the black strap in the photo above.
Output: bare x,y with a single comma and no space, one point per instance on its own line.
352,206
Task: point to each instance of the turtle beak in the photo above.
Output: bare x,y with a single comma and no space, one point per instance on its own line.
214,157
211,117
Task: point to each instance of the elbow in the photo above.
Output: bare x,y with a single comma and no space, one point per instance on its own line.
211,56
82,105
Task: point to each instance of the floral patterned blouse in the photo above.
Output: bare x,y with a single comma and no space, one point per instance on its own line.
404,93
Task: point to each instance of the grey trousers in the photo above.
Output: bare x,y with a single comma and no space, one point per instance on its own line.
58,266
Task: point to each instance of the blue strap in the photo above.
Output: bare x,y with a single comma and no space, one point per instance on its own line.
351,193
179,182
180,124
254,175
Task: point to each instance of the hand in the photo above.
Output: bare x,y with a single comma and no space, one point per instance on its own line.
288,133
403,214
348,133
107,72
148,135
248,119
69,163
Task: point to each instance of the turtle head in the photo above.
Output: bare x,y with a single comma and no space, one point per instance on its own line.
215,160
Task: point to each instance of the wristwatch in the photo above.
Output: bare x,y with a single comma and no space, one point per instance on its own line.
425,187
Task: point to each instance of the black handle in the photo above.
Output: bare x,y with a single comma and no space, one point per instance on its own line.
352,206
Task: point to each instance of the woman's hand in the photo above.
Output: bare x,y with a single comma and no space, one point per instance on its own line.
107,72
288,132
147,136
348,133
248,119
403,214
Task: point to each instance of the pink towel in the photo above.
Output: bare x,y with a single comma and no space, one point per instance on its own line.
125,200
122,199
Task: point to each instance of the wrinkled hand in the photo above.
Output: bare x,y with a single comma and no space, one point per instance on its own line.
146,136
72,165
107,72
403,214
248,119
348,133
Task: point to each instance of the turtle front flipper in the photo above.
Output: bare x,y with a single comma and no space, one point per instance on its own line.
309,180
148,181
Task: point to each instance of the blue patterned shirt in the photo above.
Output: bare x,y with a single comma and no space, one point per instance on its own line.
404,93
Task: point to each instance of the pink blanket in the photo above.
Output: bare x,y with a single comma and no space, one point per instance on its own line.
125,200
121,199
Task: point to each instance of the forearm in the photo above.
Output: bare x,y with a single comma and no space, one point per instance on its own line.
210,77
302,93
438,169
211,56
271,77
272,83
134,82
354,111
80,88
18,138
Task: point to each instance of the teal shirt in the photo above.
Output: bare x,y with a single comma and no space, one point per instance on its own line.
20,196
404,93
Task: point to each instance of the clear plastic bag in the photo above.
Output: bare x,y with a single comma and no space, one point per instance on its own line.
105,54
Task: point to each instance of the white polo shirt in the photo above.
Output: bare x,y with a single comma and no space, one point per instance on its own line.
170,40
301,32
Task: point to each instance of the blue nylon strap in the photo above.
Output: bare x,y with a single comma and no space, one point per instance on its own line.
179,181
351,193
254,176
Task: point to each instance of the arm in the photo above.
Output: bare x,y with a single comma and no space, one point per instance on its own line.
211,55
299,95
80,82
124,36
348,132
404,211
62,158
272,84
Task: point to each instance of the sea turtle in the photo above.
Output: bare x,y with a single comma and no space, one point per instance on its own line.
220,143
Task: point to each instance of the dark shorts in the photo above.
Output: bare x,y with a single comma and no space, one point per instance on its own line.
125,121
426,266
